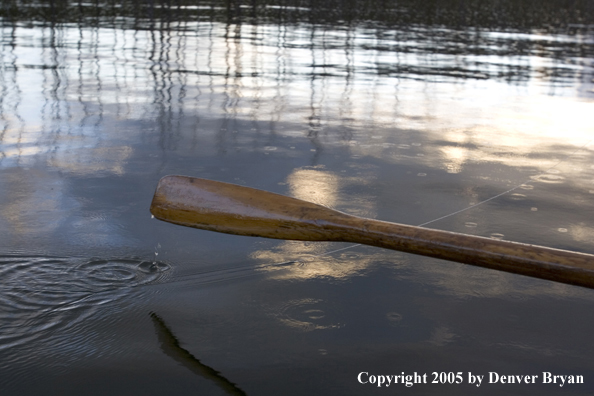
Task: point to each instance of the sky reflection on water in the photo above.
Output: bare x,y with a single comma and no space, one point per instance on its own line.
413,114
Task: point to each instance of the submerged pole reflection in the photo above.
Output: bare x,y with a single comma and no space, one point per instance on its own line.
171,347
255,65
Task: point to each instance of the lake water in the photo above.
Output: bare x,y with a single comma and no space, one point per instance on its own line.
467,116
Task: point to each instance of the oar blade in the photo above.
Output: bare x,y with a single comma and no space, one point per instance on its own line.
234,209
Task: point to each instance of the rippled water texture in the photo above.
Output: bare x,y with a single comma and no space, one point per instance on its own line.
468,116
51,294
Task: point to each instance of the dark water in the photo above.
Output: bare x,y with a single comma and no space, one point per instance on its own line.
467,116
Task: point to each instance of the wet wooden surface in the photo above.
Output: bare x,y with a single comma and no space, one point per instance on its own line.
234,209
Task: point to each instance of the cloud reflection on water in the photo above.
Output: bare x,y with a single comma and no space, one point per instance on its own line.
404,113
106,99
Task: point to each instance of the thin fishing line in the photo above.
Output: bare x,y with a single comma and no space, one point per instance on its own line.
219,275
238,272
527,181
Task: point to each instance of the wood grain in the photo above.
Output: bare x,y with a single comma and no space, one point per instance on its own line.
234,209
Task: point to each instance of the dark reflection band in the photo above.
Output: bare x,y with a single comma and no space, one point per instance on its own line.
171,347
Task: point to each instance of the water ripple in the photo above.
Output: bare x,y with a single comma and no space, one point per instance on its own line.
41,295
306,314
548,178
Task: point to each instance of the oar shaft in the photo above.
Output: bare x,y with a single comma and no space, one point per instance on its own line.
239,210
518,258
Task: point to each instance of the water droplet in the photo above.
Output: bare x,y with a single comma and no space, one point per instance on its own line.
526,186
562,229
517,197
548,178
323,351
404,146
307,314
421,174
394,316
152,216
314,314
270,148
497,235
420,155
153,267
470,224
533,209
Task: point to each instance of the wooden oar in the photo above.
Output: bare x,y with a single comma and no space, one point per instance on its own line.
234,209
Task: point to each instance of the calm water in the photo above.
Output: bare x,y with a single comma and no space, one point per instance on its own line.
473,117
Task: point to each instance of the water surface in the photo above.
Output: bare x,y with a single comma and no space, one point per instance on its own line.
472,117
